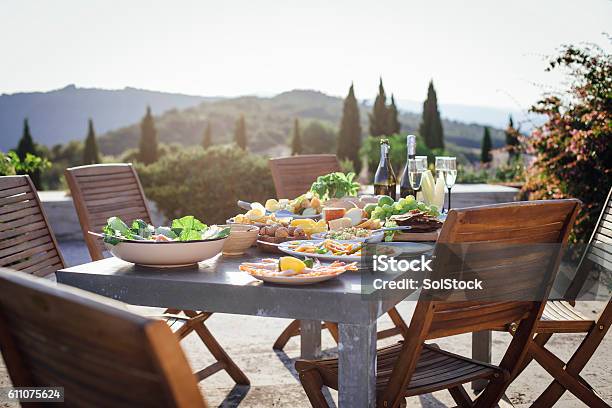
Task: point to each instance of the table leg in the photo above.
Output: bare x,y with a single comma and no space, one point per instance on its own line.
310,339
481,350
357,365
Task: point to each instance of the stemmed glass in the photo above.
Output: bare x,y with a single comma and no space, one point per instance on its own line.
416,167
446,167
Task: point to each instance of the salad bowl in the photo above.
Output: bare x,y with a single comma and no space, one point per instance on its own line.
167,254
186,242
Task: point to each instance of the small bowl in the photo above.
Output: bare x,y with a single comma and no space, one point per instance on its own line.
241,237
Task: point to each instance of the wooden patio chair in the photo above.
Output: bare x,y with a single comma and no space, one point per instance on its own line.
27,243
103,355
101,191
293,176
560,316
412,367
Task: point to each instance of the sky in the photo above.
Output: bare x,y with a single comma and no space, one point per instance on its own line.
481,53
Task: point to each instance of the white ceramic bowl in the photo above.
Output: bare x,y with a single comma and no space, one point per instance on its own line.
167,254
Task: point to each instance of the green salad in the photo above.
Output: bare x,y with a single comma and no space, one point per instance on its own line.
183,229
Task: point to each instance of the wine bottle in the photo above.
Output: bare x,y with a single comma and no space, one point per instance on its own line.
405,186
385,182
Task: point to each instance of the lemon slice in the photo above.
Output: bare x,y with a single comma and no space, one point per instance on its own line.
290,262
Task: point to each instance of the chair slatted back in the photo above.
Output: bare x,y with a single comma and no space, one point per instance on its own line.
505,245
599,250
27,243
103,355
101,191
488,230
294,175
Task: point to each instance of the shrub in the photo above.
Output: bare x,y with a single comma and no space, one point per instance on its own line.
206,183
10,164
572,149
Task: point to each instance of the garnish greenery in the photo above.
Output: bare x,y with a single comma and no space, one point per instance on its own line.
335,185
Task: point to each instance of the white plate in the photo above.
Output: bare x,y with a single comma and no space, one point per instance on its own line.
296,280
374,238
166,254
323,257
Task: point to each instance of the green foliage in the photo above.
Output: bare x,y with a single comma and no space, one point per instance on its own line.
485,149
296,140
207,183
335,185
90,153
148,139
61,157
318,138
240,137
513,171
349,136
397,143
378,117
11,164
472,175
513,142
26,146
573,150
431,124
207,139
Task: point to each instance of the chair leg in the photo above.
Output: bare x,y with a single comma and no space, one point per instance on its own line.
290,331
557,369
461,397
540,339
333,330
312,383
220,355
398,321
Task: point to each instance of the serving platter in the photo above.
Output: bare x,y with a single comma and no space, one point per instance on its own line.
285,247
295,280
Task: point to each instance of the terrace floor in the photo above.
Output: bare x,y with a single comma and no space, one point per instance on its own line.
274,384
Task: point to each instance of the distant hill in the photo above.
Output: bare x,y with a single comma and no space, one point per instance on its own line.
269,122
61,115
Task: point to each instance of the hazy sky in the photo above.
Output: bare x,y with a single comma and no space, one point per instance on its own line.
478,52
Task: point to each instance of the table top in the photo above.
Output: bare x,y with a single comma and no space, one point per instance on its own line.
217,285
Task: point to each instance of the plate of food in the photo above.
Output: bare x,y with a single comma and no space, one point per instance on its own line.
305,206
186,241
289,270
328,249
352,234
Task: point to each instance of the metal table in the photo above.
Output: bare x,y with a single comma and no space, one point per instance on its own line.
218,286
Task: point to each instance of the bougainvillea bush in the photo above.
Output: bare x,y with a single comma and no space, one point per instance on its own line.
573,149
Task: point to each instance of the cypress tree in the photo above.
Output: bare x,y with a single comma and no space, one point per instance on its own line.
207,140
379,115
485,152
512,140
349,138
393,124
148,139
26,145
431,124
90,152
296,140
240,137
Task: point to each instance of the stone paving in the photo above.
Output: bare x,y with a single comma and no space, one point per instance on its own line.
249,341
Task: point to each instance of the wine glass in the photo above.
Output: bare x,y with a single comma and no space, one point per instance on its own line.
446,167
416,168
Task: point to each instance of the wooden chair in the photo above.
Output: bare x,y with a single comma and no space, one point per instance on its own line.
560,316
293,176
27,243
103,355
412,367
100,191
